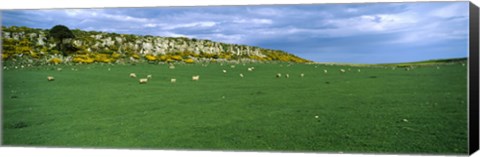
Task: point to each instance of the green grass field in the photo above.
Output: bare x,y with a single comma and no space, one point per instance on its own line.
376,110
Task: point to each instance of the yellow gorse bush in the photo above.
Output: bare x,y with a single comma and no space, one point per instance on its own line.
176,57
189,60
55,60
150,57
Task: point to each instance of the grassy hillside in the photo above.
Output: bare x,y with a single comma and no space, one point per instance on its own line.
23,44
376,109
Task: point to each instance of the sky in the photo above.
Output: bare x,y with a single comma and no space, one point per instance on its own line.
345,33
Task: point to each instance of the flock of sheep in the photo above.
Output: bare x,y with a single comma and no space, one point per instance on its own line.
195,77
250,69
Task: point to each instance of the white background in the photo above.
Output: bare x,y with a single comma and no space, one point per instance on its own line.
77,152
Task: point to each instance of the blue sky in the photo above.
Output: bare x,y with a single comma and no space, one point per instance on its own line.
347,33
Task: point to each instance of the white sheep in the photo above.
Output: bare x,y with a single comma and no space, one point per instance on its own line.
241,75
325,71
133,75
358,70
143,80
171,67
287,76
50,78
342,70
195,78
232,66
224,71
301,75
278,75
173,80
149,76
249,69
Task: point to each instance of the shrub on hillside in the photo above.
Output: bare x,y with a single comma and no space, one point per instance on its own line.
189,60
55,60
150,57
176,57
5,56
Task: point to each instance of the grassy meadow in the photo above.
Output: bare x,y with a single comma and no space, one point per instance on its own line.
377,110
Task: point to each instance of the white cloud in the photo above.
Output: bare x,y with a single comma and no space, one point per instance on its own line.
124,18
233,38
430,33
255,21
173,34
189,25
351,10
73,12
452,10
151,25
264,11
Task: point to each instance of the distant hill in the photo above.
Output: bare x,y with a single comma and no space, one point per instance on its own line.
433,61
93,46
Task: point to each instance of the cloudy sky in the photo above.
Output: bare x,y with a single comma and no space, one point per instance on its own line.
349,33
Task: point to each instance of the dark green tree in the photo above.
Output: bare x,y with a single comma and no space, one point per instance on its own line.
61,34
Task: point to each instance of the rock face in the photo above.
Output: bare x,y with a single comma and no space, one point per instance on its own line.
126,44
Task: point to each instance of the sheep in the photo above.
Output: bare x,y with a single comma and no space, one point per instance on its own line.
342,70
171,67
241,75
149,76
287,76
232,66
301,75
143,80
133,75
224,71
173,80
249,69
358,70
195,78
50,78
325,71
438,67
278,75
